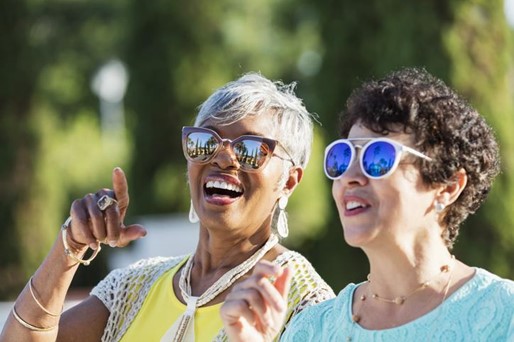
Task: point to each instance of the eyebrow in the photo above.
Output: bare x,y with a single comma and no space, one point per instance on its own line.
362,138
246,133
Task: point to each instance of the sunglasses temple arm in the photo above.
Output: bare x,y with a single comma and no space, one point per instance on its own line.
416,153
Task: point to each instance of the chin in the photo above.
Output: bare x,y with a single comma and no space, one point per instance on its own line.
356,237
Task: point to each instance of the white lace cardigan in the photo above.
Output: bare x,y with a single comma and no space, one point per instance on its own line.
124,290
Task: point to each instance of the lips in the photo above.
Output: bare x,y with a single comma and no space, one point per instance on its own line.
354,205
222,189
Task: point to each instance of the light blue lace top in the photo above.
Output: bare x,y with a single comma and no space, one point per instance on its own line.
481,310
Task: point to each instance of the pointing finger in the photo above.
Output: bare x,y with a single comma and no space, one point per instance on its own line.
120,187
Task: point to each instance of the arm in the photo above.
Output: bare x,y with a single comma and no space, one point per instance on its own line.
255,309
38,311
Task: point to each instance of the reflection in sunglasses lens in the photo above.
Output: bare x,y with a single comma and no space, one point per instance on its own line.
378,158
200,146
338,159
251,154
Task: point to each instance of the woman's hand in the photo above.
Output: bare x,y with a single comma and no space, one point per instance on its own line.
91,226
255,309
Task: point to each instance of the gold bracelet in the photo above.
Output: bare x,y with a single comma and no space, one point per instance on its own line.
67,249
28,325
38,303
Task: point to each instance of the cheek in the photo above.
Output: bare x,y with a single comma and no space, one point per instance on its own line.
336,192
193,175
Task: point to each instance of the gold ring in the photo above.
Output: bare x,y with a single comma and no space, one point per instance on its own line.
105,202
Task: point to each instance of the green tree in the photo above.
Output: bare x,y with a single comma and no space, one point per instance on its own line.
51,149
17,137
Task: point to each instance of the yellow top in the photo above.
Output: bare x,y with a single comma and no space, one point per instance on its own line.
125,291
161,309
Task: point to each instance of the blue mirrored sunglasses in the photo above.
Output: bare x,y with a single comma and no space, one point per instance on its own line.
378,158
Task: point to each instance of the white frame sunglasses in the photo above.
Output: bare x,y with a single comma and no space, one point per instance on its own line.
399,149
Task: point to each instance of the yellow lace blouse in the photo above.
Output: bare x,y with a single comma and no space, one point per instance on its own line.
132,294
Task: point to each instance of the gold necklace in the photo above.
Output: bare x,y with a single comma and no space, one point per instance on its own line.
444,269
401,299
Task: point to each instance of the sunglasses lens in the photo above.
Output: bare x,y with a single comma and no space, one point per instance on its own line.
200,146
251,154
338,159
378,159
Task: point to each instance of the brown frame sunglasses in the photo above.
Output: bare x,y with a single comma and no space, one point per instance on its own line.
200,145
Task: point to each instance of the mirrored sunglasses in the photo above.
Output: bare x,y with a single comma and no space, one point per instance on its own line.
378,158
252,152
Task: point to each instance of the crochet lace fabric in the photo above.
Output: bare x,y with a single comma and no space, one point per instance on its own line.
124,290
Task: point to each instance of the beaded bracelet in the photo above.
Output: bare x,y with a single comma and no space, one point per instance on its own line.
28,325
67,249
38,303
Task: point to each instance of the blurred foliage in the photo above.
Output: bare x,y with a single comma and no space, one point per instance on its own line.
480,48
53,147
18,139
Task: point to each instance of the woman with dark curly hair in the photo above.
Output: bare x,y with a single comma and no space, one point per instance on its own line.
414,161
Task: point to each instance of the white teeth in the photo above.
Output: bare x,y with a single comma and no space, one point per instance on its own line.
352,205
223,185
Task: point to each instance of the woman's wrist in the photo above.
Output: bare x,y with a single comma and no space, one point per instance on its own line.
73,249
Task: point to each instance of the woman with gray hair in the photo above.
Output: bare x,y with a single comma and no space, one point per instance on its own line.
246,153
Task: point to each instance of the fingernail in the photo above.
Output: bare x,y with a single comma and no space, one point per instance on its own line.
117,169
93,246
113,243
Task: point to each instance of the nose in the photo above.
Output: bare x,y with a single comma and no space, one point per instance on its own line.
354,175
226,158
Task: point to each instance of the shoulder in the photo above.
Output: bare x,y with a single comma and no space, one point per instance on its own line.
155,263
487,284
336,305
145,266
136,276
321,321
302,269
124,290
306,283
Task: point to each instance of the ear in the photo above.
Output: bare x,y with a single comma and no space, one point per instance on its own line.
450,192
294,178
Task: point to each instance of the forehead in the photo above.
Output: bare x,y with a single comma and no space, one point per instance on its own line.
261,125
360,131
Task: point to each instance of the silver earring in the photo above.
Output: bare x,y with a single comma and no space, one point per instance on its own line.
282,226
193,217
439,207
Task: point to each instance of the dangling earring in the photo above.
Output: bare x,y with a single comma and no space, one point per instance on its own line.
439,207
282,226
193,217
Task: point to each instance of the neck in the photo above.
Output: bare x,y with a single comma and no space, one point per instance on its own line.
219,251
397,271
210,286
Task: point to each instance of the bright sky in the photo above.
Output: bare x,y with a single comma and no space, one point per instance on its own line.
509,12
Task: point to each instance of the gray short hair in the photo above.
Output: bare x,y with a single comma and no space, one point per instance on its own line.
253,94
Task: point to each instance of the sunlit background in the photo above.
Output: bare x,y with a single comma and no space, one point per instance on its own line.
90,85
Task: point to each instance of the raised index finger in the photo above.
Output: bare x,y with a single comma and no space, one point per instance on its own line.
120,187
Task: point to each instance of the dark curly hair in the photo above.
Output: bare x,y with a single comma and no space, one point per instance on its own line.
445,127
